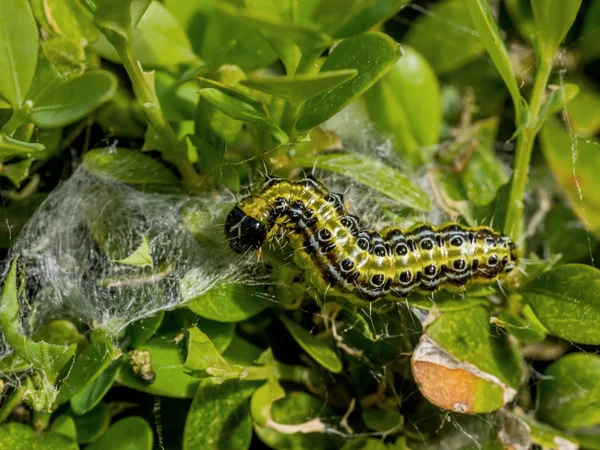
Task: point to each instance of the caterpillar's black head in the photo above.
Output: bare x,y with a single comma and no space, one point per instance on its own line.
244,232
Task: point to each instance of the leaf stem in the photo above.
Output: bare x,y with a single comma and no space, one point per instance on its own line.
147,97
514,217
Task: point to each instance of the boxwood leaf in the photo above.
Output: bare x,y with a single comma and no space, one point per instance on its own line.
16,172
485,23
157,41
65,425
453,44
88,365
575,165
371,54
547,436
262,400
18,436
307,37
370,14
384,421
557,100
141,330
233,92
127,166
584,110
553,19
225,303
459,365
299,88
69,18
219,417
48,359
373,173
296,408
569,392
141,257
240,110
92,424
10,147
131,433
87,399
18,50
74,99
321,351
167,357
566,300
524,330
220,333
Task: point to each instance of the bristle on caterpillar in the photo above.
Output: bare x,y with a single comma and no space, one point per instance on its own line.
352,260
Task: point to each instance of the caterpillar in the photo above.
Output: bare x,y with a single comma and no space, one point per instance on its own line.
356,261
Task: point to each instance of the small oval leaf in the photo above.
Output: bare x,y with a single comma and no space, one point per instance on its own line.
566,300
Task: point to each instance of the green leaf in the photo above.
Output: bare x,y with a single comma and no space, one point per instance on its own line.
371,13
566,300
46,358
569,392
584,110
73,100
158,40
225,303
233,91
239,110
88,365
131,433
485,23
299,88
65,425
18,51
16,172
242,352
363,443
384,421
87,398
203,357
167,357
458,349
453,44
17,436
406,103
548,437
141,330
127,166
262,400
222,39
91,425
221,334
141,257
305,36
296,408
575,165
553,19
557,100
589,45
525,331
371,54
68,18
10,147
219,417
373,173
120,17
320,350
59,332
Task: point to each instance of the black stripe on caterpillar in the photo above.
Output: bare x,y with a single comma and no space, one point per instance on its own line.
350,260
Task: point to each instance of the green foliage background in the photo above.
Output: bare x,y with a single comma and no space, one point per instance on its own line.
205,95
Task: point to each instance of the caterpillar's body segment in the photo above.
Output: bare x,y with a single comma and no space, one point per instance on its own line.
361,262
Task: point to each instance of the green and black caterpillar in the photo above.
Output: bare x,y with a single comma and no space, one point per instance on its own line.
351,260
